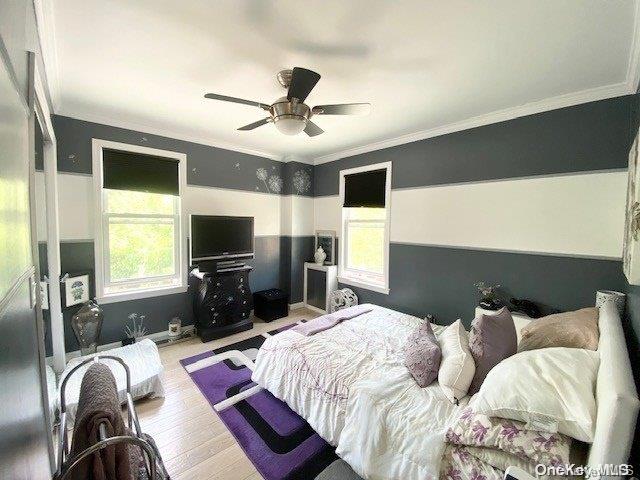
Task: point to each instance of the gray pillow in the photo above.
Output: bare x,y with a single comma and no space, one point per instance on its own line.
422,355
492,339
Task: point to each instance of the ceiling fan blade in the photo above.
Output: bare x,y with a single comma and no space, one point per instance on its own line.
342,109
312,129
257,124
302,82
224,98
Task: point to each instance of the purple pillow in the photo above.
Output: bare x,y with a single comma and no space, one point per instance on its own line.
492,339
422,355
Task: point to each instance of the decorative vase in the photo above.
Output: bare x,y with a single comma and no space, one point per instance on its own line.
320,256
343,298
175,328
87,325
618,298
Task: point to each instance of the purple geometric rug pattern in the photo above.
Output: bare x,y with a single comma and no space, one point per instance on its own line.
279,443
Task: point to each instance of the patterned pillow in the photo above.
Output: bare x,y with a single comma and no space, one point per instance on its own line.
422,355
492,339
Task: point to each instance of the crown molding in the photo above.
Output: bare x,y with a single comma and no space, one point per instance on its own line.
630,86
46,32
45,20
296,158
553,103
138,127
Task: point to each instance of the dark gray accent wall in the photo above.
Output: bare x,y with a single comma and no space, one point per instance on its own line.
440,281
302,249
592,136
294,251
78,257
157,311
428,279
298,179
207,166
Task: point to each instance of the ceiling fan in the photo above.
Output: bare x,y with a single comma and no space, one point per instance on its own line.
290,114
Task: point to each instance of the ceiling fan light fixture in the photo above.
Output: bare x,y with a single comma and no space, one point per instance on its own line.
289,113
290,124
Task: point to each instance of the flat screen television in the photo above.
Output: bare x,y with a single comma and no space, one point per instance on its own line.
215,237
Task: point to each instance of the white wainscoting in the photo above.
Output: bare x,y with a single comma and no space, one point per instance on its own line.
577,214
221,201
296,216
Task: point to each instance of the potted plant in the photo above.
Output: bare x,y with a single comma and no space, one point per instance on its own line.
489,299
134,331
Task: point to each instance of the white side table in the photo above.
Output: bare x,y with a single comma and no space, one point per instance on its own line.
319,282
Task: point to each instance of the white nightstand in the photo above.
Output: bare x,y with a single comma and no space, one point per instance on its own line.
319,282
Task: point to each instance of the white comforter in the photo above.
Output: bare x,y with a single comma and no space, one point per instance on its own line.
350,384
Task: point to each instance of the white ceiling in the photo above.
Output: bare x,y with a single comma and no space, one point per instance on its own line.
427,67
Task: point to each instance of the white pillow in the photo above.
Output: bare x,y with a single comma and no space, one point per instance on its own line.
456,365
552,389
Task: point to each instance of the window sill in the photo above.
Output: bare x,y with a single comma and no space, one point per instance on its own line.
139,294
360,284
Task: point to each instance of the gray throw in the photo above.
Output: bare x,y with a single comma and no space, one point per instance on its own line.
99,403
325,322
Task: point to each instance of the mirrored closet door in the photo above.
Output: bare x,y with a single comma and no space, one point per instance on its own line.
46,248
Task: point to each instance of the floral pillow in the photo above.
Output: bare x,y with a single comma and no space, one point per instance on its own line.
510,436
422,355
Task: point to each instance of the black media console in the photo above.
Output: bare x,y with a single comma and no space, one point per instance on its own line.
222,301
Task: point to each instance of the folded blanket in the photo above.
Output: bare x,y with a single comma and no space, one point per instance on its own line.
325,322
98,403
483,447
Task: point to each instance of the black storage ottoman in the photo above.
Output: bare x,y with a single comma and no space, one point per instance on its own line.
270,304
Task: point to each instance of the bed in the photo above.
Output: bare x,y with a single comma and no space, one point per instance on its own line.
350,384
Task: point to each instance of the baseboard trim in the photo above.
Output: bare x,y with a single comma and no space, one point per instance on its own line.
156,337
316,309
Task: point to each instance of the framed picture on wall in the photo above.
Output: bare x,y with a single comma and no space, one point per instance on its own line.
327,240
76,289
631,246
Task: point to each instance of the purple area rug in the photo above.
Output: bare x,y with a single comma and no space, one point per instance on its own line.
278,442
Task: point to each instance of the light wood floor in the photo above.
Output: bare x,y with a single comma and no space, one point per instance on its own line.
194,443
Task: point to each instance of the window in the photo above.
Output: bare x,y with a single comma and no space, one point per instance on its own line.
365,198
139,235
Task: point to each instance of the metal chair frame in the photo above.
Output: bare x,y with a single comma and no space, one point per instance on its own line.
66,464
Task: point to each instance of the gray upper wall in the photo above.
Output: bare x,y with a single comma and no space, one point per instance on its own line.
587,137
298,179
207,166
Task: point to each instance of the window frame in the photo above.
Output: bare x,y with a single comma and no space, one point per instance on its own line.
343,272
101,218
